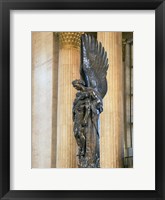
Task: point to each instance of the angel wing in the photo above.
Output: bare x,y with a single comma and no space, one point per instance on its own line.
94,64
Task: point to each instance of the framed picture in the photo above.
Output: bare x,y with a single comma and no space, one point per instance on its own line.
48,149
24,29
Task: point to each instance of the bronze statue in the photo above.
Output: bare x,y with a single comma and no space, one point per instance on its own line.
88,104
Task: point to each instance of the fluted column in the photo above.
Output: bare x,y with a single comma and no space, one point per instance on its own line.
42,98
112,124
69,65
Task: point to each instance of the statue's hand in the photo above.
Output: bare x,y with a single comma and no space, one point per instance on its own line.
100,107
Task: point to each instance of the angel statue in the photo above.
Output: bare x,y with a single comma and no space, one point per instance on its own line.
88,104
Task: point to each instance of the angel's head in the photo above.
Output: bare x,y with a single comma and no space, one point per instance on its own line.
78,84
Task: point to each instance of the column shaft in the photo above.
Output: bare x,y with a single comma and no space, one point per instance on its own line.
42,87
112,124
69,65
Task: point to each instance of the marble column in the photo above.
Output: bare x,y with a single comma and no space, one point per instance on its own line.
112,120
69,65
42,98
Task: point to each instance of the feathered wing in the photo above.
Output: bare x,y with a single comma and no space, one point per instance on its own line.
94,64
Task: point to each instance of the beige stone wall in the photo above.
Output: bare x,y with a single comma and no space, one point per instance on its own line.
42,97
